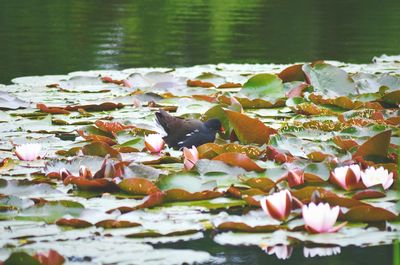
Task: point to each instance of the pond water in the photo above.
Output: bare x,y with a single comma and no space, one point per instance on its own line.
56,36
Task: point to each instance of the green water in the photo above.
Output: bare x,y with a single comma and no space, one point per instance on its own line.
55,37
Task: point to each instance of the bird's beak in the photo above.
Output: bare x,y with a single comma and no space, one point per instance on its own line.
222,130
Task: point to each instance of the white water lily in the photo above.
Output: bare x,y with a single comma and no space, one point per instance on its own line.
320,218
28,152
377,176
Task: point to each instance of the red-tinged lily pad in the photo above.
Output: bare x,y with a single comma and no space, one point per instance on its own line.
92,130
211,150
239,160
242,227
230,85
367,213
163,160
376,146
112,127
73,222
116,224
91,184
368,194
265,86
199,83
100,149
249,130
96,137
305,194
257,103
264,184
292,73
309,108
341,201
139,186
154,199
183,195
342,101
96,107
251,201
52,110
345,144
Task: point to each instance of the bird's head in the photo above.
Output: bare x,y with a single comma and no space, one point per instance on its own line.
213,124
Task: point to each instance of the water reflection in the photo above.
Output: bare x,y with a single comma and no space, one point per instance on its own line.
280,251
83,35
320,251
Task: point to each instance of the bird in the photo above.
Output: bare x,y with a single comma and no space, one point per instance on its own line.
187,132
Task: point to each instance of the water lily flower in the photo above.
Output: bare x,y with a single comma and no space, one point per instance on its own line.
321,252
375,176
28,152
154,143
347,176
64,173
321,218
85,172
278,205
295,177
190,157
280,251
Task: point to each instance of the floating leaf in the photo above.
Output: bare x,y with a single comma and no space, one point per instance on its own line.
100,149
137,186
329,80
377,145
265,86
366,213
249,130
239,160
292,73
8,101
19,258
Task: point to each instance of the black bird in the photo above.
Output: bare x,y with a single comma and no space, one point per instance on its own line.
187,132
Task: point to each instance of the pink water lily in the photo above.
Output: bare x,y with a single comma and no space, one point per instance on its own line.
321,218
28,152
190,157
295,177
347,176
154,143
377,176
280,251
278,205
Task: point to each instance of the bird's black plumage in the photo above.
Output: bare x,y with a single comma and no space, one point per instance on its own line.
187,132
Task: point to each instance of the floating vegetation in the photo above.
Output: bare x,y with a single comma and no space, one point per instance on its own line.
307,157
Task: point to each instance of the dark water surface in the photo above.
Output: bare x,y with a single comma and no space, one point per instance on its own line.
381,255
58,36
